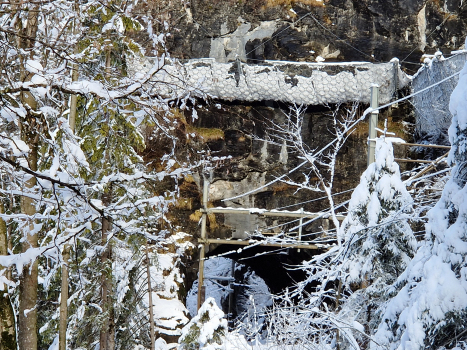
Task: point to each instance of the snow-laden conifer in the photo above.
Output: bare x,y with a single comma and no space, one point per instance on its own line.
82,183
207,330
379,242
430,309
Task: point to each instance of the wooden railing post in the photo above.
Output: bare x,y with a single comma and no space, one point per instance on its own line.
202,252
373,122
300,229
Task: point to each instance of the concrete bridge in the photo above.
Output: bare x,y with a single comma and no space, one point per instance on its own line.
292,82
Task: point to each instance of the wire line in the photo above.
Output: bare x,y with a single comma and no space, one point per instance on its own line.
343,41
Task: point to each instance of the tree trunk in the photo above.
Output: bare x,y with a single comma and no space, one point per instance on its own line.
111,335
66,249
104,286
27,318
7,316
107,334
107,341
73,98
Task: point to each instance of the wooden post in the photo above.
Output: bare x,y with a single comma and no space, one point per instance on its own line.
64,299
151,305
300,229
373,122
203,295
202,251
231,297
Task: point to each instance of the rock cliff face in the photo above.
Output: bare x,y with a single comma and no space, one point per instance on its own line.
306,30
342,30
335,30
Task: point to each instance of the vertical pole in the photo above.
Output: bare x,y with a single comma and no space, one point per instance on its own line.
202,252
201,290
151,304
373,124
300,229
64,299
231,296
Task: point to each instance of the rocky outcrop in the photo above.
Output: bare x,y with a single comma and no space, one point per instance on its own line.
291,30
306,30
337,30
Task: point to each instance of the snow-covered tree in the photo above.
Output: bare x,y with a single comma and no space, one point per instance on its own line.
207,330
319,165
430,307
379,242
71,122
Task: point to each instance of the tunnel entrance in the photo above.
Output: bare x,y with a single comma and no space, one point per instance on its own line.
263,259
243,280
276,266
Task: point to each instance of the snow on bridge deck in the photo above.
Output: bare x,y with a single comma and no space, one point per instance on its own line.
293,82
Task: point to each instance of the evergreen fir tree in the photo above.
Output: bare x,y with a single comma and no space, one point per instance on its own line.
430,309
379,242
207,330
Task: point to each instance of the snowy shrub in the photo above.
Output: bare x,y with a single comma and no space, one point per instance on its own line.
430,309
207,330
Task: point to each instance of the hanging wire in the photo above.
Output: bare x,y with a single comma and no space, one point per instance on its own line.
432,32
309,14
314,200
437,28
342,40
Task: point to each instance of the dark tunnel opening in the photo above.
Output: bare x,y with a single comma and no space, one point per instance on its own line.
259,272
276,266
